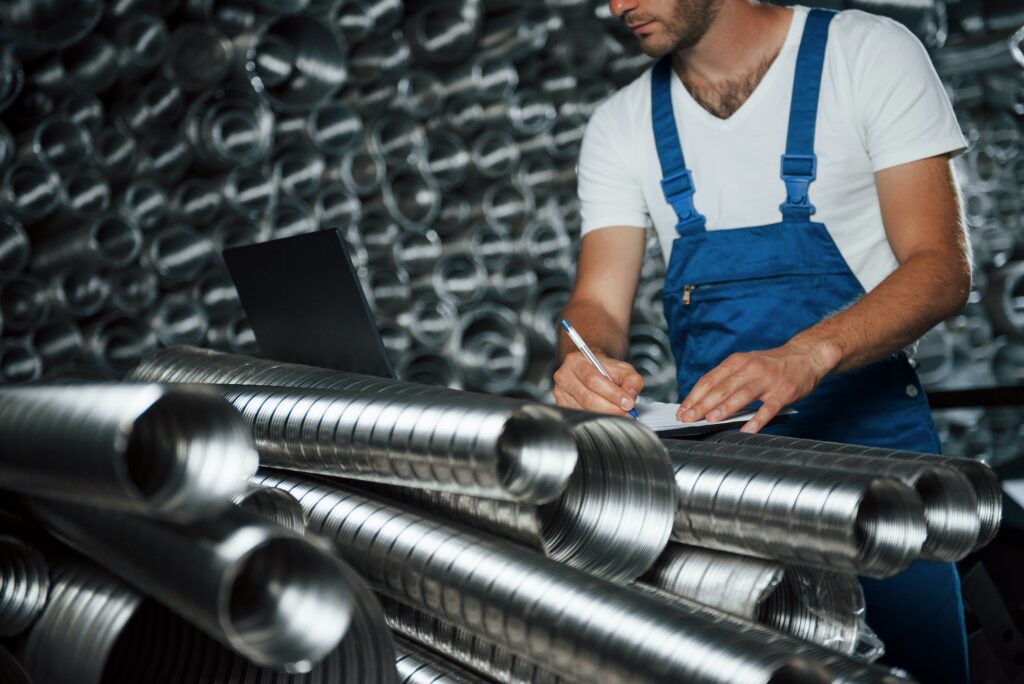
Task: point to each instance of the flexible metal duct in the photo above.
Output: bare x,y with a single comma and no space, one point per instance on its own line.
950,504
612,520
472,652
169,451
806,515
24,585
468,444
982,478
260,589
821,606
19,362
31,190
121,636
274,504
581,627
419,666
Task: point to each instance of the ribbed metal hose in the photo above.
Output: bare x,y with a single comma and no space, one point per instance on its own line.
531,451
472,652
178,452
806,515
274,504
260,589
820,606
578,626
984,480
613,519
950,505
106,631
419,666
24,585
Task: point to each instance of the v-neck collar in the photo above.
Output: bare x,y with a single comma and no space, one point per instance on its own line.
682,95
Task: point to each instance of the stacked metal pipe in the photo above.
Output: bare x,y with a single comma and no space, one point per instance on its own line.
138,139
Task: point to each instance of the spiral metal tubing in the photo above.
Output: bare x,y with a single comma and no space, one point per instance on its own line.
417,665
806,515
983,479
179,452
580,627
24,585
820,606
262,590
274,504
386,430
950,505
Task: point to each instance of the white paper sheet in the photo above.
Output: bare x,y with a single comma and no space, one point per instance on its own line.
661,417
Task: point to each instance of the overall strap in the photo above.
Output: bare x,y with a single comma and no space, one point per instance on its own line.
799,164
676,181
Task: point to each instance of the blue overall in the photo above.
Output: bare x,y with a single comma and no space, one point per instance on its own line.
754,288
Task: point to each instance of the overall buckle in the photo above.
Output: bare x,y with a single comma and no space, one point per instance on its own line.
678,190
798,172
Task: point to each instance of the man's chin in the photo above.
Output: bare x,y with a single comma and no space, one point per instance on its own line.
652,46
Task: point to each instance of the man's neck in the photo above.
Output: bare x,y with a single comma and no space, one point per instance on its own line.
727,64
742,36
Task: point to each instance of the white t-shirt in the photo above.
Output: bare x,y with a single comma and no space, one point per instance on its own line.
881,105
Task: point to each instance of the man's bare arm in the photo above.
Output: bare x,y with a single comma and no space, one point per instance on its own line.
600,308
921,213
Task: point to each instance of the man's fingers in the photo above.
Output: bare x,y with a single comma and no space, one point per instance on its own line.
728,390
700,390
565,399
607,389
768,410
587,399
732,404
626,377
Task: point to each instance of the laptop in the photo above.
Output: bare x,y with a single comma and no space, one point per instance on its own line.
305,303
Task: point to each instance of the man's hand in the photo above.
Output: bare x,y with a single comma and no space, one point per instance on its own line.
777,377
580,386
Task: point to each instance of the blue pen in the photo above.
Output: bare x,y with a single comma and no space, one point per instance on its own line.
582,346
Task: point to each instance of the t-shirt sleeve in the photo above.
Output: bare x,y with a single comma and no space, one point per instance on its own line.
609,190
902,105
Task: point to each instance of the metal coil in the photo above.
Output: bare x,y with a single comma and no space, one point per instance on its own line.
58,343
505,203
548,244
229,127
331,127
982,478
438,36
817,605
141,41
398,139
144,202
177,254
260,589
24,304
198,57
460,278
116,152
165,154
115,343
275,504
446,159
86,194
31,190
296,61
169,451
386,56
178,319
490,348
578,626
19,362
495,154
419,666
419,94
134,290
338,207
24,585
250,192
544,309
158,104
514,280
79,293
454,214
416,252
950,505
298,171
804,515
482,79
431,322
516,35
427,367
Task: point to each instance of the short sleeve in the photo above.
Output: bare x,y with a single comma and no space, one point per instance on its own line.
610,194
900,101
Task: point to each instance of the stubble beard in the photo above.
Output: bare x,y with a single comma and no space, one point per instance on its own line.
688,23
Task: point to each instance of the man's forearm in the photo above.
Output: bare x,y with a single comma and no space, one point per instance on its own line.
925,289
602,333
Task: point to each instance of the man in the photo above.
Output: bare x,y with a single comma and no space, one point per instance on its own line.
808,303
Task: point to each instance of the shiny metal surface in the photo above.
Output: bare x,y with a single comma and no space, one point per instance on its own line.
850,522
612,520
275,504
417,665
950,504
24,585
260,589
820,606
981,477
554,615
177,452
